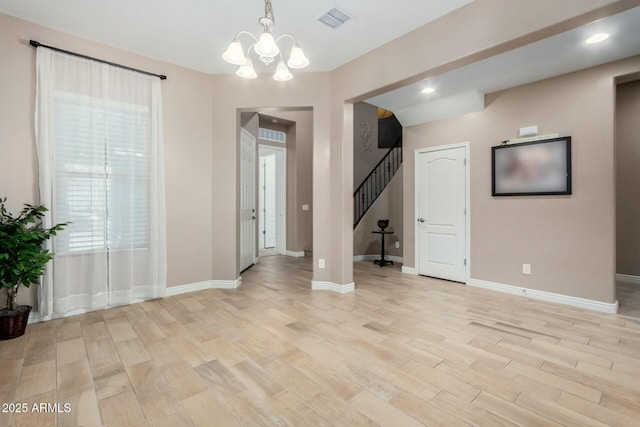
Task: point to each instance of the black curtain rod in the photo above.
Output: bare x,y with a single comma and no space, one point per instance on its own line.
38,44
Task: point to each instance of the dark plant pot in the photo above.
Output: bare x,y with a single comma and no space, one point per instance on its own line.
383,223
14,323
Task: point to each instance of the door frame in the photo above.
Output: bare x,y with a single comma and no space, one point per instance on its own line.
281,195
467,238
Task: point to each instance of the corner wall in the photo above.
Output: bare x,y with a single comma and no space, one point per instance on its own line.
187,108
479,30
568,240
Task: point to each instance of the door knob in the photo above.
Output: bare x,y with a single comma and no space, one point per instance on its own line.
420,219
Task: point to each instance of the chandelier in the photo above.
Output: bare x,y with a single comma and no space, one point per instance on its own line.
267,50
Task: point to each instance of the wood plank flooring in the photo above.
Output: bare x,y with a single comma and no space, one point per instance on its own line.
400,351
628,295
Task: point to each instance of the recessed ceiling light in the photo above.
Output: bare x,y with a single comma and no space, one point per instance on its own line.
428,90
274,120
597,38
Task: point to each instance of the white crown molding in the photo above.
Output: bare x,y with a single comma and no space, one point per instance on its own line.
409,270
334,287
547,296
627,278
393,258
295,254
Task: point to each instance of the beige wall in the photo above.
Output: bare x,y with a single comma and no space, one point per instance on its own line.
300,181
628,178
187,108
479,30
387,206
365,160
230,94
568,240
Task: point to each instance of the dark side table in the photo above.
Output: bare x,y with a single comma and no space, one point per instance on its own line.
382,262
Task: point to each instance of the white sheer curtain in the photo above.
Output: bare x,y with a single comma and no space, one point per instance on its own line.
100,152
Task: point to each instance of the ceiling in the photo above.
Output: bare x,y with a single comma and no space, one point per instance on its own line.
196,36
195,33
457,92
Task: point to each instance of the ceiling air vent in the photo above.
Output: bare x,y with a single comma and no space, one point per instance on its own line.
334,17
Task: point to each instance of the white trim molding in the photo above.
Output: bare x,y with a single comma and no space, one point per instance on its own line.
547,296
295,254
369,257
334,287
409,270
201,286
627,278
35,317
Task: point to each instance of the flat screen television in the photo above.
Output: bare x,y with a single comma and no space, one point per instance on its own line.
535,168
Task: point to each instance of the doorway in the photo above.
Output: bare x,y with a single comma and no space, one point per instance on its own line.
627,151
442,215
271,200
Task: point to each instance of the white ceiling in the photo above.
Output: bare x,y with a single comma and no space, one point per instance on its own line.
550,57
194,33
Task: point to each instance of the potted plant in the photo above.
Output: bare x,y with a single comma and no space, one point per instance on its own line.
22,261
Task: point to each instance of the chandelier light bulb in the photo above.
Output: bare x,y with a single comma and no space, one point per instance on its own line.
234,54
297,59
282,72
266,45
267,50
246,70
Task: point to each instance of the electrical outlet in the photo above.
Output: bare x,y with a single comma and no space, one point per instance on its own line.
526,268
397,244
321,263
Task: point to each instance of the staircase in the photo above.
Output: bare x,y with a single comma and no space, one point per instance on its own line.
376,181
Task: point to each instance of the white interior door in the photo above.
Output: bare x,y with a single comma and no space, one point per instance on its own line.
247,199
272,191
270,211
441,195
267,200
261,207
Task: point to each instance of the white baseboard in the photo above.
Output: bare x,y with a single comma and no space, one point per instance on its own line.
626,278
547,296
393,258
295,254
200,286
35,317
334,287
409,270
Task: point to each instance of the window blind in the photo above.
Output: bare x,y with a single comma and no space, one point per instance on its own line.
102,186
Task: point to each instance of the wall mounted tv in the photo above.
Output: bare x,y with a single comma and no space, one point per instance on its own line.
535,168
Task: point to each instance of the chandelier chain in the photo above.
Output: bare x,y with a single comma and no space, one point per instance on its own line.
268,11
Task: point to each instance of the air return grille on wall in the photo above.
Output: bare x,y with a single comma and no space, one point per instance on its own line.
272,135
334,17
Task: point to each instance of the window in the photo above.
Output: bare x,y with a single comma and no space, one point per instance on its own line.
272,135
101,175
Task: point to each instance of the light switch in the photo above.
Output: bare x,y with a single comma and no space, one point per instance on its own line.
305,207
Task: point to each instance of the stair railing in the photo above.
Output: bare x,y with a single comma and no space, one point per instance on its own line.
376,181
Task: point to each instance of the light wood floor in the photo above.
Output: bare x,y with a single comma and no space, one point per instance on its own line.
400,351
629,299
